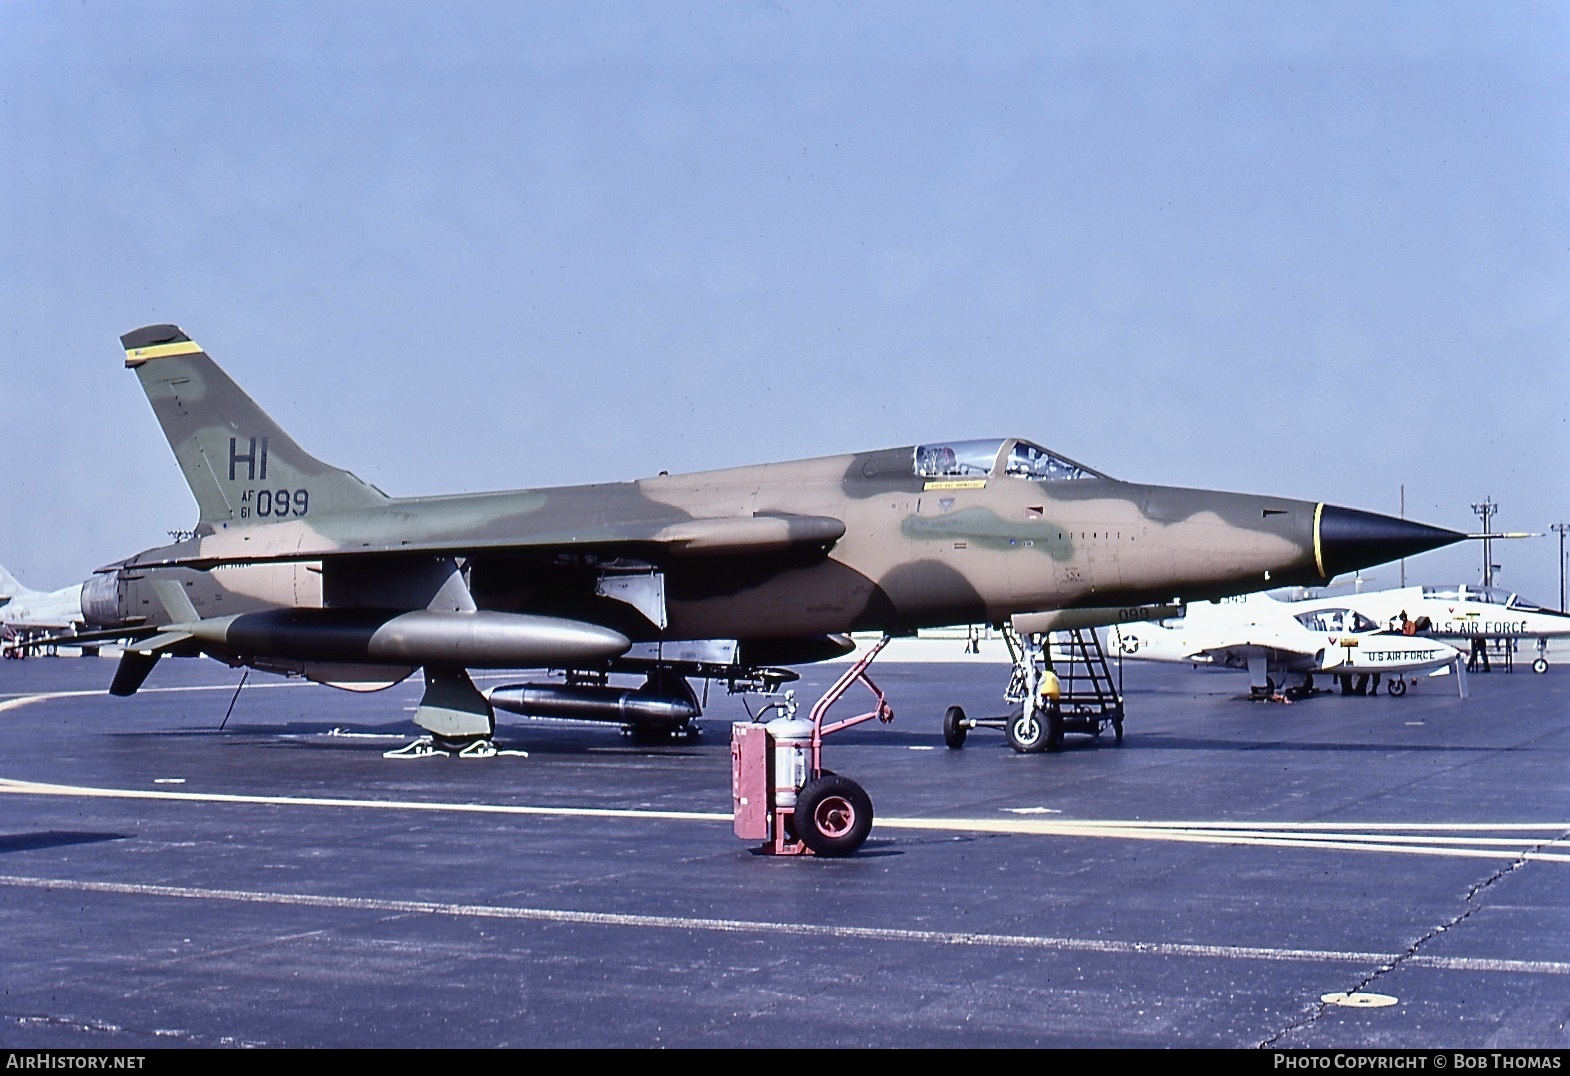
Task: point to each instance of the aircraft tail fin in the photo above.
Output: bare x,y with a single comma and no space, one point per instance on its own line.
9,587
242,468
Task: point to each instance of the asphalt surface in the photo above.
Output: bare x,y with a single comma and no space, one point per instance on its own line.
174,873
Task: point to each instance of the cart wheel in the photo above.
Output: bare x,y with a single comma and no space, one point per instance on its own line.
1027,732
1054,727
833,815
1540,665
954,727
1397,686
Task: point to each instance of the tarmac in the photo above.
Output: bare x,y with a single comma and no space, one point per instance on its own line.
197,867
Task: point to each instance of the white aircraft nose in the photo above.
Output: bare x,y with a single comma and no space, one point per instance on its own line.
1428,651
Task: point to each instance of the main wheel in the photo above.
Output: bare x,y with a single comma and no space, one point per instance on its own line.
1027,732
833,815
954,727
1397,686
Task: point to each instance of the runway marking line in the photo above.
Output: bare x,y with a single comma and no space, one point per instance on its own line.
36,789
1483,840
813,930
16,701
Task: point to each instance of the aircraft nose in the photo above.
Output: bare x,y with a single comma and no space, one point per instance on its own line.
1346,539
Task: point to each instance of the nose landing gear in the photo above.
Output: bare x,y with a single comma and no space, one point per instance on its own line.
1076,693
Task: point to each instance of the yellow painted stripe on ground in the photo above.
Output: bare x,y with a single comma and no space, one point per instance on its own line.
32,788
1452,845
138,355
12,702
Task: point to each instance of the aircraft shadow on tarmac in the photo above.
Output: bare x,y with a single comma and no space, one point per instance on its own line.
49,838
561,740
564,739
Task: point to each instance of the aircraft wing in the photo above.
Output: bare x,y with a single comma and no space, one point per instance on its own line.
1259,640
657,540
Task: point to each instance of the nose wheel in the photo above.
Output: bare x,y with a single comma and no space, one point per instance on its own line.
1033,730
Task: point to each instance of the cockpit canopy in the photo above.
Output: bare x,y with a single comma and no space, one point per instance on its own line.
1336,620
1491,595
1010,456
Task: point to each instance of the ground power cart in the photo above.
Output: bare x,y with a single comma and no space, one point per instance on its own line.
782,795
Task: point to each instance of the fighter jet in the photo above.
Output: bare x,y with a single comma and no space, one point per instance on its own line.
27,616
1475,614
1273,640
301,568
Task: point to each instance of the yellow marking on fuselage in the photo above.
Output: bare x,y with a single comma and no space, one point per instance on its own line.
1319,553
137,355
957,483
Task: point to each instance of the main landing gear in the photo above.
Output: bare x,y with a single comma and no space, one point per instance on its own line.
458,720
435,746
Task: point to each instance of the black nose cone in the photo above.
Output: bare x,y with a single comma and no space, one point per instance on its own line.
1346,539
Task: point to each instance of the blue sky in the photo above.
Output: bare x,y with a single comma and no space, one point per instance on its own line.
1320,250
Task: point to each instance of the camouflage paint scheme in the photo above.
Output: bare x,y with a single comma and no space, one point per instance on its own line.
777,556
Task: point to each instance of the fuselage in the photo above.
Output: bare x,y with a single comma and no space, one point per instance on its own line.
917,549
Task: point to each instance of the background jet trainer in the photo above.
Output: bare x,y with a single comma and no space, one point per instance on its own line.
298,567
1457,612
1275,640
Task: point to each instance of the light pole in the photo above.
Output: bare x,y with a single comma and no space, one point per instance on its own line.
1486,510
1560,529
1403,516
